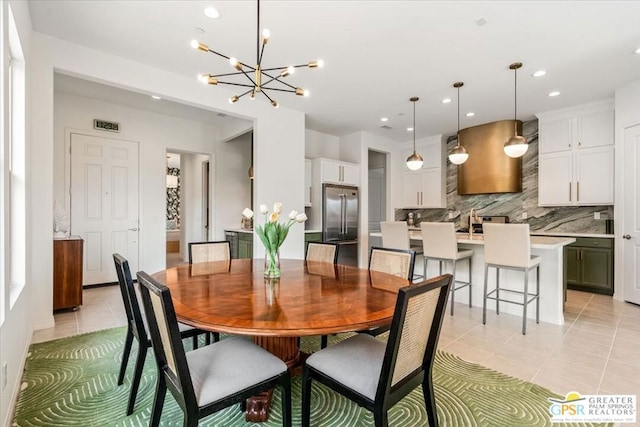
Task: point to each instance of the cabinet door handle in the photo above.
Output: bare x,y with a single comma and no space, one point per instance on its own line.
421,198
577,255
133,229
578,191
569,191
418,198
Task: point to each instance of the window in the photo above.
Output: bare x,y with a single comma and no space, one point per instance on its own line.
16,102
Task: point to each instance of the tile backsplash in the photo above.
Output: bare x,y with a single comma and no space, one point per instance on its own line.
565,219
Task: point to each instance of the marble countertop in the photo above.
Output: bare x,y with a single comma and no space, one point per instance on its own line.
556,234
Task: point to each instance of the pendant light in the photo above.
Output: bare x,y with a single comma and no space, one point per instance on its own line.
458,154
414,161
517,145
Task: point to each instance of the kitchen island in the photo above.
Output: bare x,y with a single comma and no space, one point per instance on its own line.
552,270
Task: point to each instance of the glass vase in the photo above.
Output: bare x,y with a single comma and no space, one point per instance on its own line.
272,263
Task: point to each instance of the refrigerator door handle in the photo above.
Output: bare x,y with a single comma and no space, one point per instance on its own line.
343,213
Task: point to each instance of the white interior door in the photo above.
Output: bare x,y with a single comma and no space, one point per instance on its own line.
104,203
631,232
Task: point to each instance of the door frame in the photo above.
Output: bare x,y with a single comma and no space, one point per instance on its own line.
67,171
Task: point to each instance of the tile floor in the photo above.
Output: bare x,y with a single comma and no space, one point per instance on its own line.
596,351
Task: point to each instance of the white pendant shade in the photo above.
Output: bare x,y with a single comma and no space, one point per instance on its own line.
516,146
458,158
414,161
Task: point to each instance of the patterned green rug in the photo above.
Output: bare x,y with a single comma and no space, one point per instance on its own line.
72,382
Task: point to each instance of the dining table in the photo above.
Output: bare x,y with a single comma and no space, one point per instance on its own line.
308,299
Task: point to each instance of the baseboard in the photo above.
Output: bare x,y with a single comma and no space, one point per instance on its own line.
45,324
7,422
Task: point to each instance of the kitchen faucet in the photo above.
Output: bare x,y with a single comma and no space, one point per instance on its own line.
473,218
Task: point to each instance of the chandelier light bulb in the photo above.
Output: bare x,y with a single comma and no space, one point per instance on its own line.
203,78
252,95
275,104
194,44
306,93
233,99
265,35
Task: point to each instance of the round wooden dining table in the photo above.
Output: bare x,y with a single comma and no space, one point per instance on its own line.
309,298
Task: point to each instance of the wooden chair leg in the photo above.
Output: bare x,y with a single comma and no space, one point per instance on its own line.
128,341
430,403
306,397
216,337
207,338
158,402
286,400
137,375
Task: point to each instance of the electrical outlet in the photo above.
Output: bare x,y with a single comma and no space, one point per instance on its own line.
4,375
596,215
524,215
451,215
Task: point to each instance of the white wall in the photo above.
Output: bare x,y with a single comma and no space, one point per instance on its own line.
627,107
318,144
191,201
17,325
279,135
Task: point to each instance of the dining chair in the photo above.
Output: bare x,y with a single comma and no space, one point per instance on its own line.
376,375
209,251
137,328
210,378
322,252
395,235
325,253
398,262
439,243
508,246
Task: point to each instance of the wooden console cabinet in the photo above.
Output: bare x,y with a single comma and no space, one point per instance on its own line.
67,273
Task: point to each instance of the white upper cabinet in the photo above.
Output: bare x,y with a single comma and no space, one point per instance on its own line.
425,187
307,182
576,156
336,172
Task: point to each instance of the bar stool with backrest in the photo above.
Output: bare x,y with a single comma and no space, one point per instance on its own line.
395,235
325,253
209,251
439,243
508,246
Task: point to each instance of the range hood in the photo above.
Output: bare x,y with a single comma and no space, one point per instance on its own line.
488,169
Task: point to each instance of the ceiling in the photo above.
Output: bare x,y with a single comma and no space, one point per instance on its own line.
378,54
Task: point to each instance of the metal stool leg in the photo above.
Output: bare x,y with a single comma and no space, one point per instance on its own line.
453,285
470,280
538,293
497,290
484,300
424,265
524,306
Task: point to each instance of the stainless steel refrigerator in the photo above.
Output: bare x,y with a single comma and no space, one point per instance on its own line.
340,220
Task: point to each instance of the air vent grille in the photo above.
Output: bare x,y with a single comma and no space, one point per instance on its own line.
386,127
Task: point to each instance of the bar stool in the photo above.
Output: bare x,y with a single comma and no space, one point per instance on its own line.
440,244
508,246
395,235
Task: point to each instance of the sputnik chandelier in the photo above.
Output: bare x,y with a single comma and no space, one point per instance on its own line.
262,80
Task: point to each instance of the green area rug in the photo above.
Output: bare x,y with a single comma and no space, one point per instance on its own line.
72,382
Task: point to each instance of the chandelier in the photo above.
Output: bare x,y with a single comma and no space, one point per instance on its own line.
261,80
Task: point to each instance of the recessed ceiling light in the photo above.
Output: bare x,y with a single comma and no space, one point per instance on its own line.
155,97
446,100
409,129
539,73
471,114
384,119
554,93
212,12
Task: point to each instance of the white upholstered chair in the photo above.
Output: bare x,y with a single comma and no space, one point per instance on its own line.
395,235
508,246
439,243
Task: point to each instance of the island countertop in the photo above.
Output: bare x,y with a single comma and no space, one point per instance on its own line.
537,242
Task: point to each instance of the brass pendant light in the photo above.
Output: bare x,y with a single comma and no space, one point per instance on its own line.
458,154
414,161
517,145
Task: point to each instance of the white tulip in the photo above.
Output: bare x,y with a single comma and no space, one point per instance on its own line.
247,213
277,207
301,217
273,217
264,209
293,214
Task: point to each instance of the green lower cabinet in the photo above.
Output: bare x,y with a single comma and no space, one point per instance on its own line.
311,237
589,265
245,245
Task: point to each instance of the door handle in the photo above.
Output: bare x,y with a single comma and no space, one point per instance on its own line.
627,237
133,229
